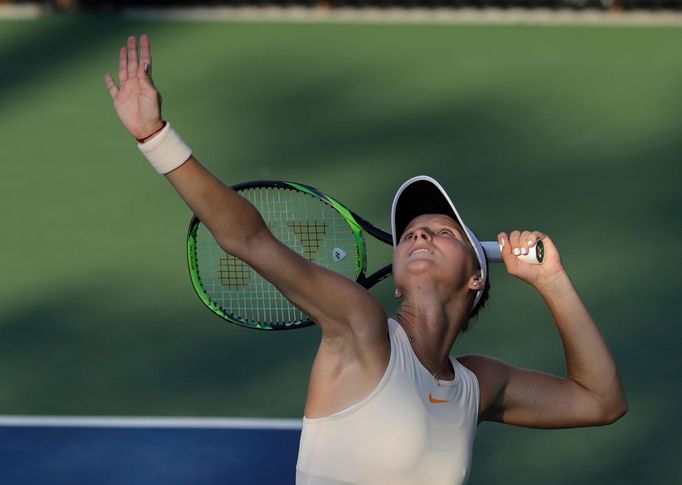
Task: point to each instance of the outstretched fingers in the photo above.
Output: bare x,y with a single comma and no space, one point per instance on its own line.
144,71
145,50
133,63
111,85
122,65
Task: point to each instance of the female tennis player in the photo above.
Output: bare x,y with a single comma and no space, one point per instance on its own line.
387,404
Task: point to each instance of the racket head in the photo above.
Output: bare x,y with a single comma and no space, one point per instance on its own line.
306,220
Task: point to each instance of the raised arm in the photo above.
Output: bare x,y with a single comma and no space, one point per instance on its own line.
590,394
333,301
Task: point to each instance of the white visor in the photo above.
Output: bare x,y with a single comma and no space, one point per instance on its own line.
423,195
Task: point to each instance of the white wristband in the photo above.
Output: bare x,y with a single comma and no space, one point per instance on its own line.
166,151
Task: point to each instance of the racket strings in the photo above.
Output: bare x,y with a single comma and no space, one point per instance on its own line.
233,273
299,220
309,234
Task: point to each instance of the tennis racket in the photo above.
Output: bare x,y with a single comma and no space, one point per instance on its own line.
313,224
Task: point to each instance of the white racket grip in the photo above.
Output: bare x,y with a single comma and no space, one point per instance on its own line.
493,252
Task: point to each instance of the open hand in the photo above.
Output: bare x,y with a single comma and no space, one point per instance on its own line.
136,100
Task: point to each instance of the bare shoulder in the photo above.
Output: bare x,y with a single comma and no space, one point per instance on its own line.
492,375
347,367
486,368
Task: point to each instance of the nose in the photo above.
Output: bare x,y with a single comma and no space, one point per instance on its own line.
422,233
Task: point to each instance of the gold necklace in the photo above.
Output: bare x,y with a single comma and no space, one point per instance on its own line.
434,374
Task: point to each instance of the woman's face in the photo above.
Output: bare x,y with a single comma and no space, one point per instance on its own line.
435,245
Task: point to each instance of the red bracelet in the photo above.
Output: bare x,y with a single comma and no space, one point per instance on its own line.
144,139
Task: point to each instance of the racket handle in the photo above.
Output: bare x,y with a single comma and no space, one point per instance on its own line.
493,252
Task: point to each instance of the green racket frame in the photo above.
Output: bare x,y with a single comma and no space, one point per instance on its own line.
356,224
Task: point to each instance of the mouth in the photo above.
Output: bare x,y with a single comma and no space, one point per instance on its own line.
419,251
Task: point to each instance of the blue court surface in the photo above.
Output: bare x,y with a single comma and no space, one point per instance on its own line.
151,451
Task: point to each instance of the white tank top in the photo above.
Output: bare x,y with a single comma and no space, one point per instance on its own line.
409,430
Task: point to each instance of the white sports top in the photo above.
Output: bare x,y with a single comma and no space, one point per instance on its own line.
409,430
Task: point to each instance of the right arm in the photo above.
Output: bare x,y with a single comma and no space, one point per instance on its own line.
343,309
591,392
336,303
354,350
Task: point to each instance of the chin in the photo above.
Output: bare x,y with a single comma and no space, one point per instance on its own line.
419,265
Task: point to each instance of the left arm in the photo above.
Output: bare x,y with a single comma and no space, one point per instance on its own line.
590,394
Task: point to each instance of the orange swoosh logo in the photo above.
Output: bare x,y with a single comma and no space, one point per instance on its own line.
437,401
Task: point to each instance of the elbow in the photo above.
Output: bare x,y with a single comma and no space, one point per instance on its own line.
617,411
613,411
242,245
608,405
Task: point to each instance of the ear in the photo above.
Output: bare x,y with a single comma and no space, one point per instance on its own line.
476,282
398,294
